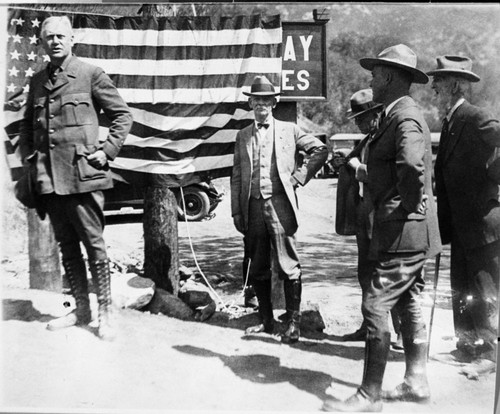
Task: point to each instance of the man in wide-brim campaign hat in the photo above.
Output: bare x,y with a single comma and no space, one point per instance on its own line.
467,173
399,56
405,232
264,203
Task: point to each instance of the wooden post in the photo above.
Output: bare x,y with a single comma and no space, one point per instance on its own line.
44,263
161,251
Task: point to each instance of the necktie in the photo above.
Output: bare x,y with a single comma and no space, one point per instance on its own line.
444,138
446,125
262,125
445,132
381,118
54,70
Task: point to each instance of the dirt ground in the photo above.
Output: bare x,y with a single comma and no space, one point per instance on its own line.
161,364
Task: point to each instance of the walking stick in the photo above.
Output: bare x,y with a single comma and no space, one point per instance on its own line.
436,278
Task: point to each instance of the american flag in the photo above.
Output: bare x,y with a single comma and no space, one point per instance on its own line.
183,78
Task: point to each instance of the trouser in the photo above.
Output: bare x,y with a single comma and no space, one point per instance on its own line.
474,279
366,266
271,236
78,218
397,281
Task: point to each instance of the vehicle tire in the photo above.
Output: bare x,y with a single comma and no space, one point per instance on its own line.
196,201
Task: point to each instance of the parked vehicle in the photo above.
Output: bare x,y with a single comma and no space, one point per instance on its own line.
200,200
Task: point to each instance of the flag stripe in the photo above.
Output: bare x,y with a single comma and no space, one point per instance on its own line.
174,53
180,116
173,166
192,67
164,153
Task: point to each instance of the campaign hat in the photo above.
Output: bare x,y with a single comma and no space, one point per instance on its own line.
399,56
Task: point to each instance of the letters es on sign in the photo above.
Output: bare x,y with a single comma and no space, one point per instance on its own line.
303,75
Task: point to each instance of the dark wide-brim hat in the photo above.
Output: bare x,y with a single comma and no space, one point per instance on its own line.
261,86
399,56
362,103
455,65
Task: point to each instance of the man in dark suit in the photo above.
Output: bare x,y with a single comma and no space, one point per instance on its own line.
405,231
365,114
264,205
60,144
468,198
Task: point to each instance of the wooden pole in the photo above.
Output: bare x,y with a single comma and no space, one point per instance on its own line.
161,252
44,263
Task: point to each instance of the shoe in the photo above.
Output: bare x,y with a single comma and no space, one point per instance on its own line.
355,403
76,276
293,294
292,334
71,319
262,327
477,367
455,357
251,302
405,392
359,335
399,343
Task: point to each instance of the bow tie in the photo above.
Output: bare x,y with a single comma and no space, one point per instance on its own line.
262,125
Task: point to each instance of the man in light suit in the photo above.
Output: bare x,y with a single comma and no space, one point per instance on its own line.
60,145
468,197
264,205
405,232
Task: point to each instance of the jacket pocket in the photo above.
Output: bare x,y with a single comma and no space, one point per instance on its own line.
76,109
403,236
85,171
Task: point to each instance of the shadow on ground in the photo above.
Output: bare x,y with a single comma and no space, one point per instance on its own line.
266,369
22,310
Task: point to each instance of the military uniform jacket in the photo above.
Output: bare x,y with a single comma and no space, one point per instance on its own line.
289,140
399,170
61,126
468,198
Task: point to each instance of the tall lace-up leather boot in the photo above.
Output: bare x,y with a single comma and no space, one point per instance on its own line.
293,295
76,274
101,278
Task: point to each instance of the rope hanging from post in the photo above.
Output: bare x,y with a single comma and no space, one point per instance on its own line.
225,308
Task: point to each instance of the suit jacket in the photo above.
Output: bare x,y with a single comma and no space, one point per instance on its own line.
346,220
468,198
289,140
61,126
399,170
